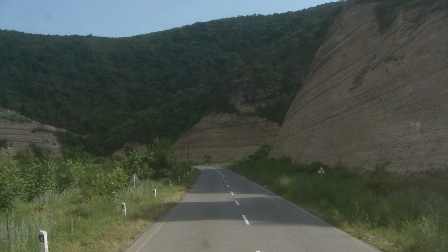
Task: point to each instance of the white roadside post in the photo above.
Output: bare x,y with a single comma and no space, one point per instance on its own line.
43,241
170,183
155,192
123,209
179,178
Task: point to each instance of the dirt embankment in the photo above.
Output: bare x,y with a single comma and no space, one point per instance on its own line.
224,137
374,98
18,132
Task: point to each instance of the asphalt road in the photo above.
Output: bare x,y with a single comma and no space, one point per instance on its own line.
226,212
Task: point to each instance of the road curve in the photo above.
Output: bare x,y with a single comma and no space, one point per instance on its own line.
226,212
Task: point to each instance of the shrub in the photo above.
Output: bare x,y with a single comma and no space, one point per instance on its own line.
25,156
263,151
3,143
9,182
162,157
38,178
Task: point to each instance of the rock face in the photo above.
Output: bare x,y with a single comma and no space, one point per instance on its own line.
19,131
374,98
224,137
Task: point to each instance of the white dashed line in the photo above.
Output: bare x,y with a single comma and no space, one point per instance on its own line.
228,186
245,220
218,172
237,203
232,193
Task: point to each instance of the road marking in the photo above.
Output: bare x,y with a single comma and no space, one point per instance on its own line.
228,186
245,220
218,172
237,203
155,231
232,193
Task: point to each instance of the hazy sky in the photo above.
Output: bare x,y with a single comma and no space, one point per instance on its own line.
123,18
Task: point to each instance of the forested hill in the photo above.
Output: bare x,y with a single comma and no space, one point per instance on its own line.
114,90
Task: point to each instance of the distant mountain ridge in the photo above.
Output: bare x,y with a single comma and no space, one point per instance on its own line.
117,90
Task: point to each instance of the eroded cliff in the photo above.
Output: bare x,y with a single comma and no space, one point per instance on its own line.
18,132
374,98
224,137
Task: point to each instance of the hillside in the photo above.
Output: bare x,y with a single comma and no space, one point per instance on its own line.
376,96
20,132
117,90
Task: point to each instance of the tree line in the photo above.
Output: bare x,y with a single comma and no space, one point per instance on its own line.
109,91
113,90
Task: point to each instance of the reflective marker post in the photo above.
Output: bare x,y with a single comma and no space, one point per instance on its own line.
155,192
123,209
43,243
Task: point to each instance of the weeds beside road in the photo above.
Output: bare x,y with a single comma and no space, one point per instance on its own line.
74,224
390,212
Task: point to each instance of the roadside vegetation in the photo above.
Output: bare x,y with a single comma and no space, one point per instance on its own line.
79,202
388,211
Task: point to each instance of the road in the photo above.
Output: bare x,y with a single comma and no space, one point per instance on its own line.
224,211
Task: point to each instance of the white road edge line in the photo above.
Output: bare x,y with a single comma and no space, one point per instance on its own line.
155,231
237,203
245,220
218,172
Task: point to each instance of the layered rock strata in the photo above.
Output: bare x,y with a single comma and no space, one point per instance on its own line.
224,137
374,98
18,132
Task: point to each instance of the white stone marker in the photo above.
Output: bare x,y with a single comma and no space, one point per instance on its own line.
43,241
123,209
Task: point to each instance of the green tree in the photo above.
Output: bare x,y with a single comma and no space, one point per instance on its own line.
9,185
38,178
162,157
136,162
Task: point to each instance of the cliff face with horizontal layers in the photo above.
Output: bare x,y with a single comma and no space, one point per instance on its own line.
18,132
224,137
374,98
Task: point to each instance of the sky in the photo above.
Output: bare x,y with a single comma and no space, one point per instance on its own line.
124,18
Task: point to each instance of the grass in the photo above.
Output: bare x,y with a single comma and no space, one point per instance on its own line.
389,212
73,224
